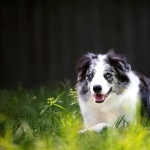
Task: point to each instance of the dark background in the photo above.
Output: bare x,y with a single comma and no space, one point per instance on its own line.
41,40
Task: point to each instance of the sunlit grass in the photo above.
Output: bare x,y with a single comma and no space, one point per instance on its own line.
49,119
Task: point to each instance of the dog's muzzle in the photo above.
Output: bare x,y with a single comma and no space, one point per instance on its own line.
100,98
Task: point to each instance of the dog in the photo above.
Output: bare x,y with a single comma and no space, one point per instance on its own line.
109,91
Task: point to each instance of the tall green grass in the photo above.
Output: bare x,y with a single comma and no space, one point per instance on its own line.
49,119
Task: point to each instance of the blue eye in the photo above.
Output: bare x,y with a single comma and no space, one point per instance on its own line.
90,76
107,75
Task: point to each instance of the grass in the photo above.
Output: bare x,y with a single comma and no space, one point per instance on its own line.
49,119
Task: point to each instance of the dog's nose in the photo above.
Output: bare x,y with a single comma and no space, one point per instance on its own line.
97,88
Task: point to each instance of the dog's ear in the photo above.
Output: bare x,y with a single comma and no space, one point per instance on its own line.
118,61
120,64
83,65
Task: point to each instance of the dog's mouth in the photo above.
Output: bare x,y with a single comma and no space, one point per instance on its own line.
100,98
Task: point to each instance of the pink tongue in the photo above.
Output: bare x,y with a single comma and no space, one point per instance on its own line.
99,98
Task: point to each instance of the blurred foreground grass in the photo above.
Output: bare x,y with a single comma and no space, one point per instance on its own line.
49,119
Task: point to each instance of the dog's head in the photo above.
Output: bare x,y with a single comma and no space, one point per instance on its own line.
102,75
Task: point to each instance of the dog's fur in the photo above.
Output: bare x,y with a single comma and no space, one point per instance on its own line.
109,91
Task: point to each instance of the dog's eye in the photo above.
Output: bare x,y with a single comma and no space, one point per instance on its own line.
107,75
90,76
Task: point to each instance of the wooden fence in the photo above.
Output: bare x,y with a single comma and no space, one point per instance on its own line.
42,39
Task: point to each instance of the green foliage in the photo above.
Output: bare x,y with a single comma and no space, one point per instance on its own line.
49,119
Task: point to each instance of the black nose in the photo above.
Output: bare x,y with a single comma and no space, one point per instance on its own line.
97,88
